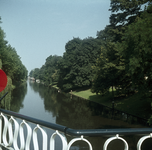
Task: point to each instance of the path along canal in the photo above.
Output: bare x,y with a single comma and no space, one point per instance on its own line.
45,103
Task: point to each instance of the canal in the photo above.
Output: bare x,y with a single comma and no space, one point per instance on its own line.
45,103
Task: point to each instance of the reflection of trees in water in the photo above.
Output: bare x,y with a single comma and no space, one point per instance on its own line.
18,96
50,101
34,86
114,114
79,113
75,114
65,109
83,114
48,95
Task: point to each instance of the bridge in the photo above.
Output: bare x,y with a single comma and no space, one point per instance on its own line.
19,132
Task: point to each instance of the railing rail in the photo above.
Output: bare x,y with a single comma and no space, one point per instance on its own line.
3,96
76,132
9,126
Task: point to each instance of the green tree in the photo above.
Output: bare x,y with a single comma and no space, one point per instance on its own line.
36,73
11,62
68,64
110,67
48,73
124,12
75,69
136,49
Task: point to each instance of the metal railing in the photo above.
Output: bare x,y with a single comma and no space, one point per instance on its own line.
13,125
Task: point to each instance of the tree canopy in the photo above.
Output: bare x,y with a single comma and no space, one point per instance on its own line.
75,69
48,73
10,60
125,58
136,49
119,57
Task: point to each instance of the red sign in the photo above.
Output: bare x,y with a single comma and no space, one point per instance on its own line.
3,80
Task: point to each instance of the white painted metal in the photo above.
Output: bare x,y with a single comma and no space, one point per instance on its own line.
62,137
79,139
26,144
114,138
140,142
7,128
35,139
10,129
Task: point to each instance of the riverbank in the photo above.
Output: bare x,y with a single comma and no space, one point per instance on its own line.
134,104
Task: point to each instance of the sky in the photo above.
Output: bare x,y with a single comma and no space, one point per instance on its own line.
40,28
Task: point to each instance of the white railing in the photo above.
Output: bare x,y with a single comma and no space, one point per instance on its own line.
19,132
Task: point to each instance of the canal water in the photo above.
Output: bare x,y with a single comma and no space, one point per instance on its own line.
45,103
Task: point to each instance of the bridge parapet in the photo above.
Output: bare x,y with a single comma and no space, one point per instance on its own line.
13,125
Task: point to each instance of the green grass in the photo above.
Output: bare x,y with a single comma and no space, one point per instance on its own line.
84,93
134,104
87,94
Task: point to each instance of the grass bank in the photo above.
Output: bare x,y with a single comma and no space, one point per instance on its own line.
134,104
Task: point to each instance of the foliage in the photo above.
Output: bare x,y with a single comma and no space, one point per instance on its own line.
48,73
136,49
75,69
109,67
35,73
121,55
124,12
10,60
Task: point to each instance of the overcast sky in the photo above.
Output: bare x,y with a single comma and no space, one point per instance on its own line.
40,28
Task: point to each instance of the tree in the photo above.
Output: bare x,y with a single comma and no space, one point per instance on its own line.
75,69
124,12
68,64
136,49
109,70
11,62
48,73
110,67
36,73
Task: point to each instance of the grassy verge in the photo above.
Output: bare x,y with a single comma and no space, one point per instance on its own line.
134,104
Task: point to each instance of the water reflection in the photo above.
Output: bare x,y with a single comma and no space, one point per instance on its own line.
47,104
18,96
48,96
75,113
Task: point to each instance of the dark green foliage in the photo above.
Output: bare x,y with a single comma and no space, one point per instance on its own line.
125,11
125,57
48,73
110,71
35,73
120,57
76,65
10,61
136,49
